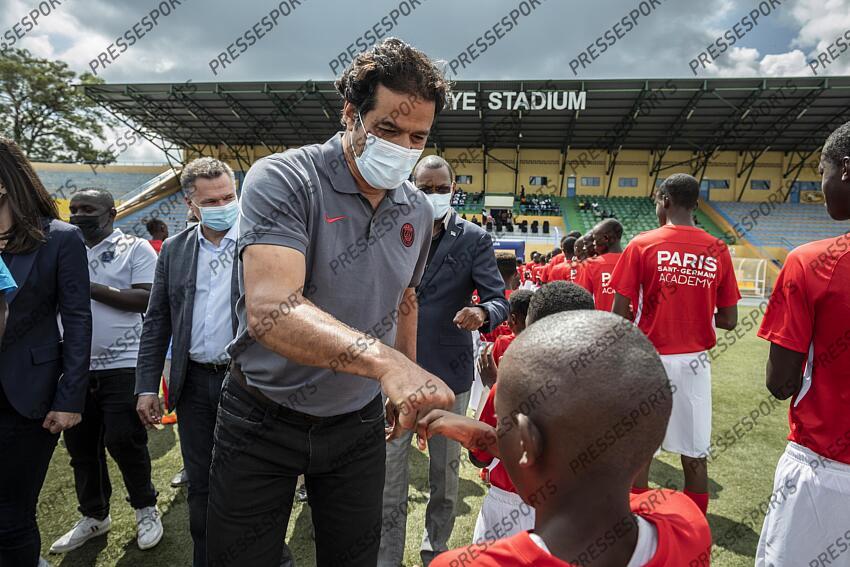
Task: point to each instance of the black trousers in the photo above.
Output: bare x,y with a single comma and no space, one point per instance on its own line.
110,423
25,450
196,410
261,448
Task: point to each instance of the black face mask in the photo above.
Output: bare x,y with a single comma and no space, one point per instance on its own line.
90,225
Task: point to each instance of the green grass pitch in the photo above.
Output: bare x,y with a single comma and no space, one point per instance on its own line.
741,478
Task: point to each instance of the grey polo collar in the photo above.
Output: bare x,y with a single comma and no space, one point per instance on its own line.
341,177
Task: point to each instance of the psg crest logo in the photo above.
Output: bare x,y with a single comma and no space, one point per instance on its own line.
407,234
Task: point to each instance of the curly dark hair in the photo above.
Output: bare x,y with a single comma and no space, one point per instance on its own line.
837,145
398,66
30,202
558,296
519,302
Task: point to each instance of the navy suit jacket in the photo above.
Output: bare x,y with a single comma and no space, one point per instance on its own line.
464,261
169,313
42,369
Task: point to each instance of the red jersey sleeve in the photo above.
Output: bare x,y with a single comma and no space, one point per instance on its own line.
501,345
488,416
789,318
626,277
727,292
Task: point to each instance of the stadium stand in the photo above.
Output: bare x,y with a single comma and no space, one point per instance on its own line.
118,183
784,225
637,214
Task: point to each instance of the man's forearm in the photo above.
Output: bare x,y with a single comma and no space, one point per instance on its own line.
133,300
408,318
300,331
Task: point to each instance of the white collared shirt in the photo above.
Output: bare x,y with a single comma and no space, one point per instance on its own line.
120,261
212,328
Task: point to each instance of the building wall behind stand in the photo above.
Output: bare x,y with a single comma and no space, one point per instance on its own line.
590,163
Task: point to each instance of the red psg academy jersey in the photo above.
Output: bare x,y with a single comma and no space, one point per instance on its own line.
596,278
562,271
675,276
809,312
684,539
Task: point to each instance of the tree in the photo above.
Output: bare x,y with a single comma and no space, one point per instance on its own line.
45,112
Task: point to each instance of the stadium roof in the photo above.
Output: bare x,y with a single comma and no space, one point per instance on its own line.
701,115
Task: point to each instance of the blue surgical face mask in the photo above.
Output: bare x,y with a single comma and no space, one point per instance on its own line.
220,218
382,164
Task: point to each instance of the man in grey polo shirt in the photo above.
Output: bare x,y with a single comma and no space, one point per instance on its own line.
333,240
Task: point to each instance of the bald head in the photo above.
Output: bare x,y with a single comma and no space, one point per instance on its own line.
607,235
604,384
432,162
96,195
578,248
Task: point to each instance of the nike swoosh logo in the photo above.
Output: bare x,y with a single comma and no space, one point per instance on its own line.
333,219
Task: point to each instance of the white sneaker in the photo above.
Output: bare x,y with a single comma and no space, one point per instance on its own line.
85,529
42,562
148,527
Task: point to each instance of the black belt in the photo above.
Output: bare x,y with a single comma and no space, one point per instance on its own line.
211,366
279,409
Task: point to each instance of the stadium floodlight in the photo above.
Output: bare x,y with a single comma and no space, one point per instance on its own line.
690,113
745,114
802,112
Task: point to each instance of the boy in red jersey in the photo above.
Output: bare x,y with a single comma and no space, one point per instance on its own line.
502,499
674,278
516,322
579,258
506,263
615,409
558,258
806,323
563,270
491,354
596,276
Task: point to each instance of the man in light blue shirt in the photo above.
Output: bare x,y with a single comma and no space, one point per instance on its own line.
211,329
191,303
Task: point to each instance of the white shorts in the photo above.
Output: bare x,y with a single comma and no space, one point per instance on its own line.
689,429
502,514
808,514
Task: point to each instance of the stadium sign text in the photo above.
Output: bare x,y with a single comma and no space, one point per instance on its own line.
521,100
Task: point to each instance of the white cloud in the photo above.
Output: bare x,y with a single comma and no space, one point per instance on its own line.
180,47
792,63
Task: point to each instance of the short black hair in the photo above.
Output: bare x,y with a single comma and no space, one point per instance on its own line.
398,66
613,226
520,300
682,189
837,145
99,194
506,263
569,246
558,296
434,161
154,224
574,234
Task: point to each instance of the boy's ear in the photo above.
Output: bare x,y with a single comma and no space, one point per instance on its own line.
531,442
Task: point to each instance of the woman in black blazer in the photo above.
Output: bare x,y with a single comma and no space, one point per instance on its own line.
43,372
